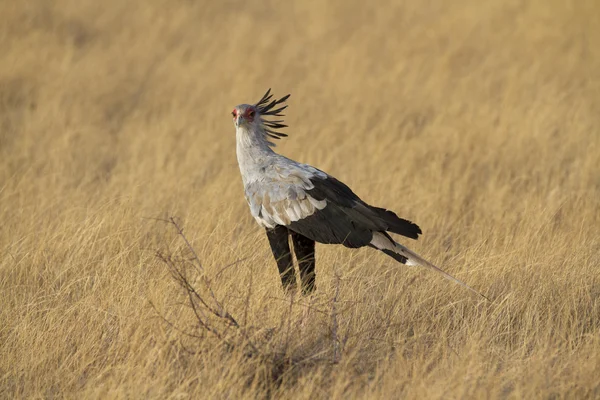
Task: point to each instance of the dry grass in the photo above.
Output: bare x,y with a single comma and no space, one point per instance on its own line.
478,120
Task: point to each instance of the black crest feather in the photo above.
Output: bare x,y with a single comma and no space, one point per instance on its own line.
267,106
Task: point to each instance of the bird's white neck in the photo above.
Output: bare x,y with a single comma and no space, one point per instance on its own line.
253,153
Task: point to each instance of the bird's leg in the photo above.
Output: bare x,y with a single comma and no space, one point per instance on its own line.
280,246
305,254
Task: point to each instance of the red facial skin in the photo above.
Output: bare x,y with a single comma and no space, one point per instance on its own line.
248,114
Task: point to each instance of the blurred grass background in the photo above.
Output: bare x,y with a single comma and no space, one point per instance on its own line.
480,121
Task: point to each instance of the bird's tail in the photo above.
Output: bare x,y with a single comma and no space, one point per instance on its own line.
406,256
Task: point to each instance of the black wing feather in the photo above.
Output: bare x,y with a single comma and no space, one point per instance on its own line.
398,225
332,225
347,219
334,190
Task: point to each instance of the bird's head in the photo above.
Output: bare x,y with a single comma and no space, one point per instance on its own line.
244,116
250,117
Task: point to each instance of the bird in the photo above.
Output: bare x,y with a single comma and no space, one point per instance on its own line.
292,199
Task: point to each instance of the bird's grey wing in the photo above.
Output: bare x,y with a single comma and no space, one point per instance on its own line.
281,201
318,206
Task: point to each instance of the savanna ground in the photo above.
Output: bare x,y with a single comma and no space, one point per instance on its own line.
478,120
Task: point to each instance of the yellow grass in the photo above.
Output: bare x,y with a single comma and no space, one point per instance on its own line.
480,121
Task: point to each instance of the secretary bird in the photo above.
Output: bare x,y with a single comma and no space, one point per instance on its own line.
289,198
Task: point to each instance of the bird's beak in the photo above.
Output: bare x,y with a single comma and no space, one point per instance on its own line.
239,121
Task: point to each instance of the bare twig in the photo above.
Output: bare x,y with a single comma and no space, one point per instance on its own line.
189,246
236,262
200,307
221,312
289,321
172,325
334,322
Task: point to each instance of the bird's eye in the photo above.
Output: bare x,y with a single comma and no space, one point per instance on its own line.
234,113
251,114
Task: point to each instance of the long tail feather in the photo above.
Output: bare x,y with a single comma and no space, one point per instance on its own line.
406,256
415,259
